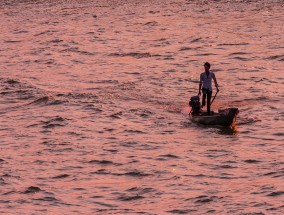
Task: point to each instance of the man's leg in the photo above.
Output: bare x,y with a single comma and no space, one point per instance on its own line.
209,95
203,97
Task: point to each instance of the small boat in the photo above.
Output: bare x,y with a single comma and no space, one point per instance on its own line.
225,117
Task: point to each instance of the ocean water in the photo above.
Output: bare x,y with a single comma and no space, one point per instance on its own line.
91,100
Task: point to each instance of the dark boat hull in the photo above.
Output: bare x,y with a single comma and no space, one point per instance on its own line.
224,117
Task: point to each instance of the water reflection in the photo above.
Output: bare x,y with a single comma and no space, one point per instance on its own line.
228,130
217,129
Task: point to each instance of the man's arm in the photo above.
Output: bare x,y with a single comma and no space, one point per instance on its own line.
215,81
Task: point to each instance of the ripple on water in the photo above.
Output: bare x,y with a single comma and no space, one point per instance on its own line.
130,198
275,174
103,162
279,134
252,161
51,123
189,48
205,199
134,55
131,131
9,193
32,189
105,204
234,44
277,193
167,157
47,199
130,144
61,176
2,181
275,57
102,172
116,115
239,53
140,190
183,211
136,173
93,108
46,100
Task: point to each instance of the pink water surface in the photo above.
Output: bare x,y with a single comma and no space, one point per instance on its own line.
91,100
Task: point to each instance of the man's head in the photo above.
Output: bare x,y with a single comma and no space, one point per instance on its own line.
207,66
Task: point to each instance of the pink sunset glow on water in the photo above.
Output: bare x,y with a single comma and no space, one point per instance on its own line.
93,96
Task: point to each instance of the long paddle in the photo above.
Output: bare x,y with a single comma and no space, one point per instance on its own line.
214,98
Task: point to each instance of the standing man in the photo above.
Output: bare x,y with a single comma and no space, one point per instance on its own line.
206,85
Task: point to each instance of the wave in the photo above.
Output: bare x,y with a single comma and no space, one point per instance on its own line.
134,54
275,57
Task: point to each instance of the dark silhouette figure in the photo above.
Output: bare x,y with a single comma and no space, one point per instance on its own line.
206,85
